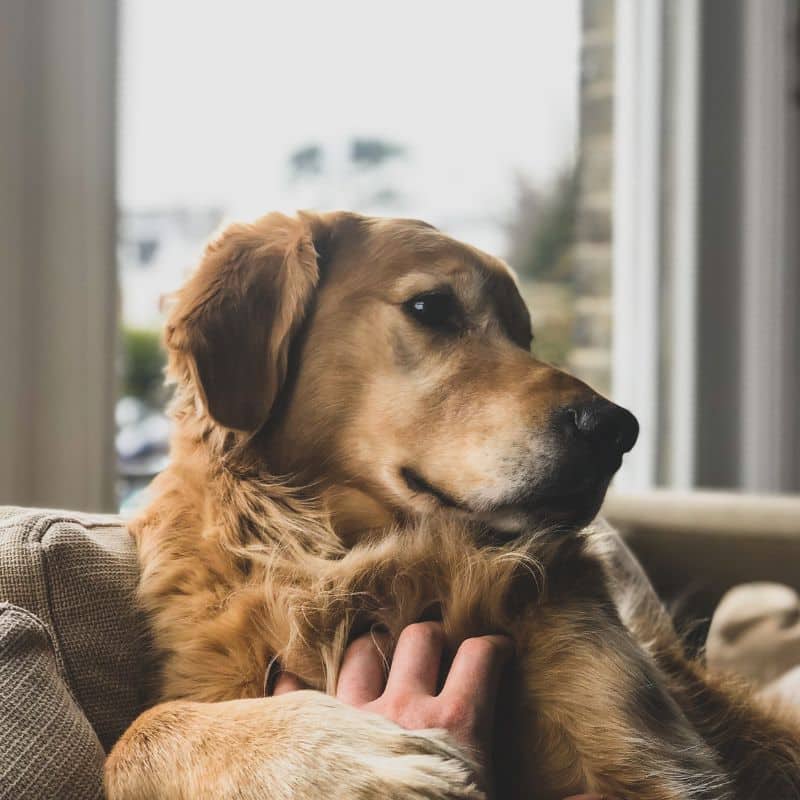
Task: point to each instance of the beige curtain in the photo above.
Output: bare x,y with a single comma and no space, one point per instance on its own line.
57,252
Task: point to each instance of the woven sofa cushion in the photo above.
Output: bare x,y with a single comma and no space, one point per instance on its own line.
47,746
77,573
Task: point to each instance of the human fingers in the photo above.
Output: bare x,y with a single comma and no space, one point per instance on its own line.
363,674
470,690
417,657
286,682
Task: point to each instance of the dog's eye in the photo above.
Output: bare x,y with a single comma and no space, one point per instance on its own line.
435,309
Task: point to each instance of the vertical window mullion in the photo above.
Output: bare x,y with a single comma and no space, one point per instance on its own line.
637,224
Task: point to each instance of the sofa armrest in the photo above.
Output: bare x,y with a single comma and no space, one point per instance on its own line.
700,544
47,746
77,573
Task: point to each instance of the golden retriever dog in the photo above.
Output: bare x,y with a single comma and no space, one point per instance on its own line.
363,438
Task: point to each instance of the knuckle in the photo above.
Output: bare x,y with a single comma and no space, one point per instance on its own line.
422,633
480,648
361,646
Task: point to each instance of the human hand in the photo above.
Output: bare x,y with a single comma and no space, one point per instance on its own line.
465,705
410,696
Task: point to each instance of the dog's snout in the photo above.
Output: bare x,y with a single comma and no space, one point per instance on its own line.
605,426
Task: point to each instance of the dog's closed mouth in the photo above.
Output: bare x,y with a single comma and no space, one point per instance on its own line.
419,485
580,504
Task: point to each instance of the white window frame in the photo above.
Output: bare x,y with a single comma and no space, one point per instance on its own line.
756,425
636,220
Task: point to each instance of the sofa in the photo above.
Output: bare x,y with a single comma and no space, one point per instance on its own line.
76,666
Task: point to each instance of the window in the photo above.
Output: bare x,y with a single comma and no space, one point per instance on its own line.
706,256
462,114
636,161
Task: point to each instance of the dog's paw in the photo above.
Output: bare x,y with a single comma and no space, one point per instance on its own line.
415,765
298,746
365,756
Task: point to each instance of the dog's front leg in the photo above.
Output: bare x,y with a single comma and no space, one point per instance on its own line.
598,716
757,744
299,745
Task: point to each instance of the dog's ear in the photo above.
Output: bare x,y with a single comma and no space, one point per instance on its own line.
232,324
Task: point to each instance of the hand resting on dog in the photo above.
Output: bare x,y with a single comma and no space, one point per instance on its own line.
411,695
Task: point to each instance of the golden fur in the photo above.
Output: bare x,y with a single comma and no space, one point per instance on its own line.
292,355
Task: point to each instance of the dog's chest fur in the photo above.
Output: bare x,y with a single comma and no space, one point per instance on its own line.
222,605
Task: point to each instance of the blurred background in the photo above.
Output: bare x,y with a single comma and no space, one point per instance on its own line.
637,162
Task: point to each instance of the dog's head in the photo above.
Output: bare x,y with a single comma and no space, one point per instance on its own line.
391,365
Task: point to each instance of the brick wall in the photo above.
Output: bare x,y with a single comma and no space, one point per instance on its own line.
590,357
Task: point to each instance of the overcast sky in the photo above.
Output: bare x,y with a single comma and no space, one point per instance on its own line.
216,95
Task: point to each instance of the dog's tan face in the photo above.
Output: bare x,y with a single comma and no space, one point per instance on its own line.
405,386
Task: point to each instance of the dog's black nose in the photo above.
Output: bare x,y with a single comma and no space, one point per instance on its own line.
605,426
